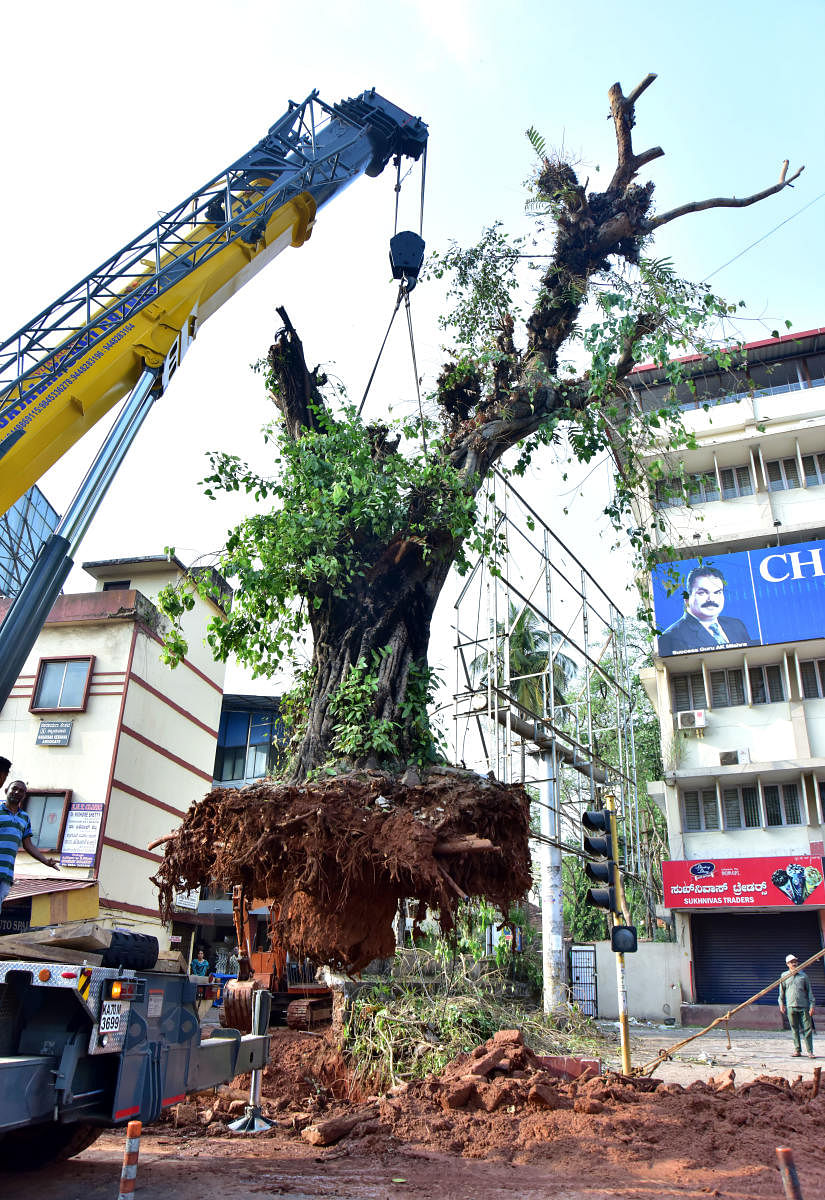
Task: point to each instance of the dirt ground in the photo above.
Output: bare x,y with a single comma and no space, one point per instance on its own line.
518,1132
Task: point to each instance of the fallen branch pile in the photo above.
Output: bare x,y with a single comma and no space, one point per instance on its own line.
334,857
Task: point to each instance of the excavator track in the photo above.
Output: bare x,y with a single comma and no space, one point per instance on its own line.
309,1013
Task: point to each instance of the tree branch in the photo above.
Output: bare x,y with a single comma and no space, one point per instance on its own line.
725,201
297,394
622,109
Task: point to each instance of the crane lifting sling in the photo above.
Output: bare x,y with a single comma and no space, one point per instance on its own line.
126,326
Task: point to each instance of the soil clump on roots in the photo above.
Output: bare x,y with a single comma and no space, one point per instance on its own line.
335,857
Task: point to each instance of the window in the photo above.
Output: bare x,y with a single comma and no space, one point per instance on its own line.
741,807
701,810
669,492
783,473
820,783
688,691
782,805
250,744
62,684
701,489
727,688
116,585
47,815
736,481
766,685
813,468
813,678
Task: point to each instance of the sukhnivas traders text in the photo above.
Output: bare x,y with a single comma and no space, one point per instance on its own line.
739,890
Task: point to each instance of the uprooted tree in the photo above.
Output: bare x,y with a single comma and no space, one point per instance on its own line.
355,533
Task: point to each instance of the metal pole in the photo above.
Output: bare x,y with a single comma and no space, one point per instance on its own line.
623,1028
32,604
621,985
253,1121
552,913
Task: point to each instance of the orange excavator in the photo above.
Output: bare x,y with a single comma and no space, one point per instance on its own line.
297,999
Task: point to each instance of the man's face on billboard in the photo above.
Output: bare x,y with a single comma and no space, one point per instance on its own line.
706,598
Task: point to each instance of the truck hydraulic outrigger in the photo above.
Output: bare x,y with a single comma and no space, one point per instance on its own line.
124,329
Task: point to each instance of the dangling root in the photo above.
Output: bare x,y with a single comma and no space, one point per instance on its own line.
334,858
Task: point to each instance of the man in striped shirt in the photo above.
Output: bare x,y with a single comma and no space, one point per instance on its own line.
16,830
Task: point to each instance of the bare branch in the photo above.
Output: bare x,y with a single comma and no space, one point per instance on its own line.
624,118
725,201
641,87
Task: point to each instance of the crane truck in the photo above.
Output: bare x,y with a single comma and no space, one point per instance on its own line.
85,1044
123,330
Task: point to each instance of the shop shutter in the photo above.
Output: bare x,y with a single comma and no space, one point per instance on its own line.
735,956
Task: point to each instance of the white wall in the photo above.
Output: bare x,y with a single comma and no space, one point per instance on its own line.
655,977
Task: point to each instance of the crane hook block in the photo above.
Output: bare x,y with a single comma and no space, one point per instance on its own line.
406,257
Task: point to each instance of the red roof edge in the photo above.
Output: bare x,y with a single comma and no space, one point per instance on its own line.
786,337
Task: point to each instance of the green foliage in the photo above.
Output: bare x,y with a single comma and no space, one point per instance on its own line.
359,732
335,504
400,1031
534,662
581,922
482,291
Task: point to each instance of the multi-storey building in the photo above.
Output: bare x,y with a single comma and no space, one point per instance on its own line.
739,674
113,745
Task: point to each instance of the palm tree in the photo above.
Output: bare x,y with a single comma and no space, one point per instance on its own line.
533,654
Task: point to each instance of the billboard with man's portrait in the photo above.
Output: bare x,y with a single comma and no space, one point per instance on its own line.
751,598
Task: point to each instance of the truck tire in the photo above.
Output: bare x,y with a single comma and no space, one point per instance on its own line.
134,951
40,1145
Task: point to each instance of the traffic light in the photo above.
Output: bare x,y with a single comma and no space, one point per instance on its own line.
623,939
601,822
603,843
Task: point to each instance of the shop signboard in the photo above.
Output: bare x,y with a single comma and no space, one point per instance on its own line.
787,882
187,900
81,834
751,598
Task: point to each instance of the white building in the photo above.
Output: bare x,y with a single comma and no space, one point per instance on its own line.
113,745
742,707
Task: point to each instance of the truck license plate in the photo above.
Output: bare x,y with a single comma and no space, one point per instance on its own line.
110,1016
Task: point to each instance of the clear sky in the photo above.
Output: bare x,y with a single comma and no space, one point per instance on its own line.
114,112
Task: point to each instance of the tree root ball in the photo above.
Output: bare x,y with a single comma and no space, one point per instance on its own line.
334,857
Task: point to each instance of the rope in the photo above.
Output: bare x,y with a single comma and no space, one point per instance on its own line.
381,351
664,1055
423,181
397,191
415,368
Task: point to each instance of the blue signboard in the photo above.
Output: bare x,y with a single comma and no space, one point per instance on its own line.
752,598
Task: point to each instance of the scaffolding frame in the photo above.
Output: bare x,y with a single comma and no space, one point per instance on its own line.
541,725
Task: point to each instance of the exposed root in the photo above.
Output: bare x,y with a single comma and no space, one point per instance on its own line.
334,857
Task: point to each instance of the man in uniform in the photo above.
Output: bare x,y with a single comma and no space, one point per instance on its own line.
796,997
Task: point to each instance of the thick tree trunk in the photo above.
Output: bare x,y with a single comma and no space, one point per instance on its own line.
391,613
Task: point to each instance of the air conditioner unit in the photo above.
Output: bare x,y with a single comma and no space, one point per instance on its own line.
692,718
734,758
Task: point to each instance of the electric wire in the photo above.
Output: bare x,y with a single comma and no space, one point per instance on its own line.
764,236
